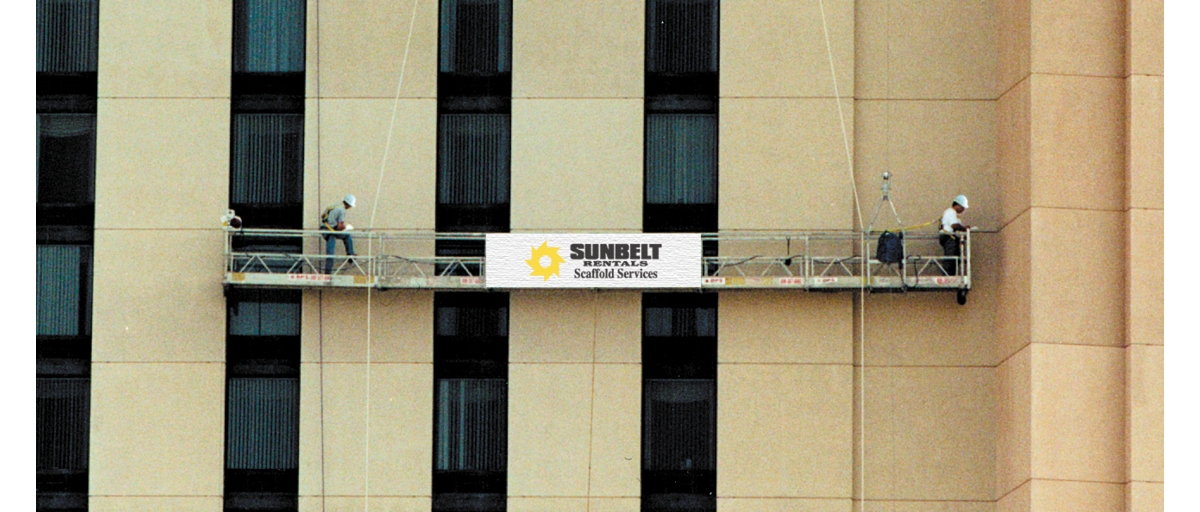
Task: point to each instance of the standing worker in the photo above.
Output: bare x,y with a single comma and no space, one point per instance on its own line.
334,219
949,237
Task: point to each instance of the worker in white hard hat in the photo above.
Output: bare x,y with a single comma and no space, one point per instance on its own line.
951,227
334,219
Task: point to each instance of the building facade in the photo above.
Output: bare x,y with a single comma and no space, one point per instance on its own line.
156,385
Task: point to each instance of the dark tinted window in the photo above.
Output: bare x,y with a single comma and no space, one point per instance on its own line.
66,158
66,35
267,159
681,36
470,369
268,36
475,36
262,414
679,402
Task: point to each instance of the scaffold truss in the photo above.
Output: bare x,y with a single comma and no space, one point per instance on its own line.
815,261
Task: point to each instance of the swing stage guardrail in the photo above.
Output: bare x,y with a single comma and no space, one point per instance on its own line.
814,261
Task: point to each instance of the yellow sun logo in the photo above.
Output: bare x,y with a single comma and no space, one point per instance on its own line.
535,261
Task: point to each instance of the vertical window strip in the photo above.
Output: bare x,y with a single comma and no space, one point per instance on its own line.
681,158
473,160
268,155
471,424
63,409
61,297
272,36
67,36
263,423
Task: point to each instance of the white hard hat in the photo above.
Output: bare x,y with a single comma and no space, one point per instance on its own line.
962,200
349,199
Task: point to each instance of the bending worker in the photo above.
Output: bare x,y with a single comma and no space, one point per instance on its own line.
334,219
951,227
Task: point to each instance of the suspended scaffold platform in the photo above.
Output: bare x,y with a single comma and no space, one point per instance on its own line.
814,261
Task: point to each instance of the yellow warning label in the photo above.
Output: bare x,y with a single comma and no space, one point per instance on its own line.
237,276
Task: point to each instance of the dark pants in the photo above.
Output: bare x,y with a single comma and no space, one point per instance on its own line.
331,247
950,247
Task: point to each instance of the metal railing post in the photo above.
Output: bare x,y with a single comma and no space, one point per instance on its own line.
967,276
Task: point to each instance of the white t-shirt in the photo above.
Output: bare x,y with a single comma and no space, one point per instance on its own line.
949,219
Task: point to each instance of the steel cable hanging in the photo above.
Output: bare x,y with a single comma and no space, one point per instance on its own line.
370,250
862,289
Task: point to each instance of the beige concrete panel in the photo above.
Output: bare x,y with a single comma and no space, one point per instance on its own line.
1068,496
401,326
1078,37
577,165
540,504
147,149
786,505
931,329
312,409
872,149
618,327
363,44
153,504
935,151
578,49
165,49
1013,146
1145,42
1078,413
931,506
1144,162
312,168
777,442
931,49
614,504
401,426
549,425
158,296
358,503
785,54
616,448
1019,500
1078,288
1014,424
785,327
552,326
872,60
1144,411
1078,142
157,429
354,139
1144,497
1014,18
783,165
311,341
1144,278
930,434
1013,326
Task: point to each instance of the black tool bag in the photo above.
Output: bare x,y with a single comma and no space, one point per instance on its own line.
890,248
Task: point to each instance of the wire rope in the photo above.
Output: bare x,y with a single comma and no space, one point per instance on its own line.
862,287
370,241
